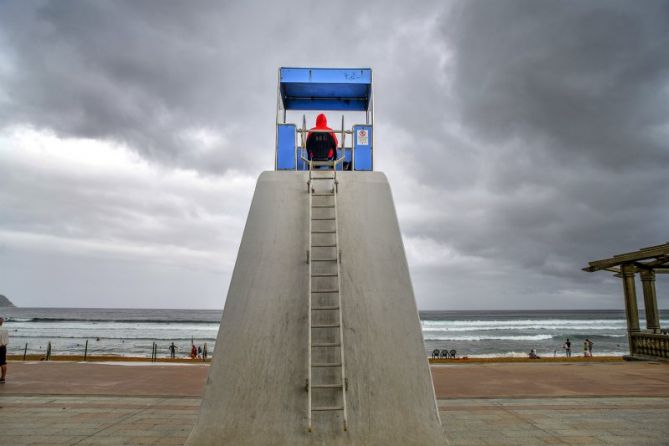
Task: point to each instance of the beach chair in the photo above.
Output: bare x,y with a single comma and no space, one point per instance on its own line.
444,354
435,353
453,352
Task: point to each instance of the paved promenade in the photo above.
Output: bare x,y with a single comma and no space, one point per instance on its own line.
481,404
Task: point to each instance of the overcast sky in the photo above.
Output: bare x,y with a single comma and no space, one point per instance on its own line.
522,139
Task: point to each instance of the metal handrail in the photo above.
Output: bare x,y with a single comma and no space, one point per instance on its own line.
309,256
312,163
314,130
334,164
341,311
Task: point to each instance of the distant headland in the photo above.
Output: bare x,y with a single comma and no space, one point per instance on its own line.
4,302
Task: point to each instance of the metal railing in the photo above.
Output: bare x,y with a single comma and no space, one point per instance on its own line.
304,131
344,380
47,353
312,164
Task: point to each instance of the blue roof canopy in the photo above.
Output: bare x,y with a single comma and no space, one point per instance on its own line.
347,89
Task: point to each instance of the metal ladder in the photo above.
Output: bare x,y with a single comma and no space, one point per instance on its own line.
326,383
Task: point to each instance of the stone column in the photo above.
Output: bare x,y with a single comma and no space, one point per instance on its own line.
650,300
631,310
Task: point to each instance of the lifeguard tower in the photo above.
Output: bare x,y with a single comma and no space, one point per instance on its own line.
320,341
325,89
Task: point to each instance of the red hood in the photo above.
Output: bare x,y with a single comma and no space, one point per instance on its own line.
321,121
322,124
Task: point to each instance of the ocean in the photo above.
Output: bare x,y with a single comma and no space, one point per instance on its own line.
132,332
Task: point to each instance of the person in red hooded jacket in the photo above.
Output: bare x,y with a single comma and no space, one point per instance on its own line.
322,146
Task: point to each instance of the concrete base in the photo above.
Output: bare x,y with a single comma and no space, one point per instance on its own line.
255,392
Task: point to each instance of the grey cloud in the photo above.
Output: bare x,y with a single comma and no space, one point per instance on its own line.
525,137
587,78
134,74
564,110
144,72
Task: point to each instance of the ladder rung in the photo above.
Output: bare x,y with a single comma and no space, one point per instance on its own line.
336,307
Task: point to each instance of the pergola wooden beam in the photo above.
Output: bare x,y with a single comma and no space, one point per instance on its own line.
660,262
658,252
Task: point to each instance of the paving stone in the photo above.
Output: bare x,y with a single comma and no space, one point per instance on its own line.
140,421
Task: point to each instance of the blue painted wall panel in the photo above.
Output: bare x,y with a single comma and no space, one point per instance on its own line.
362,139
326,88
325,104
327,75
285,158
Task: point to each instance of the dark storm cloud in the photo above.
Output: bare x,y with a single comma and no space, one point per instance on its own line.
562,139
149,72
128,72
588,78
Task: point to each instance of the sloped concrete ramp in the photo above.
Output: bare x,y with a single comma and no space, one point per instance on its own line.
255,392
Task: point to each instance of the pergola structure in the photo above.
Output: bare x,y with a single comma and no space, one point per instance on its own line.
652,342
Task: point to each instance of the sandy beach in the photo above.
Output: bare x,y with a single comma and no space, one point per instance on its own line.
481,403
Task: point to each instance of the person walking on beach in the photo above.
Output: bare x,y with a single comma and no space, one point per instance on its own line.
585,348
204,352
173,351
193,352
567,348
589,347
4,340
